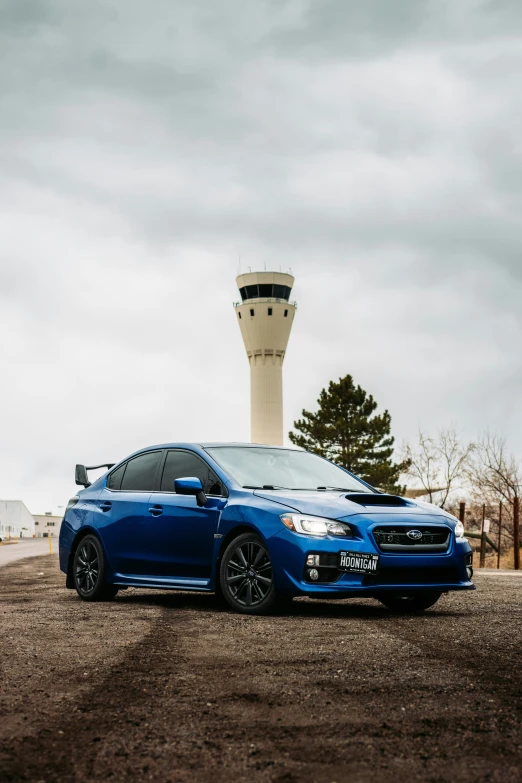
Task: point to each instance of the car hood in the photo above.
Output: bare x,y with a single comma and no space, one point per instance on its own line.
337,505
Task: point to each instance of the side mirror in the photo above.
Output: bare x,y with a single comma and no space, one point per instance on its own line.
81,477
191,486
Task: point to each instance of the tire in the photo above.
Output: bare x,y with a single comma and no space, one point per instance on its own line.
245,575
416,602
89,571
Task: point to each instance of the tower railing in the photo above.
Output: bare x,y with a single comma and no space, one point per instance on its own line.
264,299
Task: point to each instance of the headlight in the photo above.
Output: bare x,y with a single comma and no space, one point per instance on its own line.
459,530
315,526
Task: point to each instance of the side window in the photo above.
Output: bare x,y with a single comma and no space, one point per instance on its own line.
114,480
183,464
141,471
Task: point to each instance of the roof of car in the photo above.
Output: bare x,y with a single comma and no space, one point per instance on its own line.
215,445
245,445
204,446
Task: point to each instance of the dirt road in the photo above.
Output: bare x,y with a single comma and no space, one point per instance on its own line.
168,687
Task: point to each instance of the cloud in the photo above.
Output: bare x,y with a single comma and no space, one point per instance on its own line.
144,148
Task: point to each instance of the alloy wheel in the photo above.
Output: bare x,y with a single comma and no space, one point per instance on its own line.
248,574
87,568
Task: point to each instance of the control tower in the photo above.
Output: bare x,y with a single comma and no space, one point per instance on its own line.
265,318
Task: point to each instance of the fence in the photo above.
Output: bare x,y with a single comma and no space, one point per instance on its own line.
497,544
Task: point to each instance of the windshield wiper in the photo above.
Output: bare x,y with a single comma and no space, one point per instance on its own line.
275,487
265,486
343,489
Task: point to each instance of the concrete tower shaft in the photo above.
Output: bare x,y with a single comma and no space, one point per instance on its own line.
265,317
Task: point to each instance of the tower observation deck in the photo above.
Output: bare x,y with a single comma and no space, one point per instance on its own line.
265,317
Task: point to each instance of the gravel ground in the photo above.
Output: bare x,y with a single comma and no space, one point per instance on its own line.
170,687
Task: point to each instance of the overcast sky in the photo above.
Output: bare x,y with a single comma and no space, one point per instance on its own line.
372,147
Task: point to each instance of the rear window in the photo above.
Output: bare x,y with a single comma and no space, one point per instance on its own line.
140,472
114,480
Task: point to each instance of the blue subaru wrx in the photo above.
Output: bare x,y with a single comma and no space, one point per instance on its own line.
259,525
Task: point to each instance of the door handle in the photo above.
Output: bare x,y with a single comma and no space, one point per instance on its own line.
156,510
106,506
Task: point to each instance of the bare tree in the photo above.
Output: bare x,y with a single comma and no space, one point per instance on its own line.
494,474
438,463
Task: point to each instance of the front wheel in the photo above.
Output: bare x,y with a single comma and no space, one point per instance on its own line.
246,577
416,602
89,571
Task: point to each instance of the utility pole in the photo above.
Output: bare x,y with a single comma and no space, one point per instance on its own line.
499,532
516,531
462,511
483,538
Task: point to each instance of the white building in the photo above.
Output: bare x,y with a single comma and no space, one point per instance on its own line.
15,520
47,525
265,317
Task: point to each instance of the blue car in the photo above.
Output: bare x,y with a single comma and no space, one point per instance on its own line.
258,525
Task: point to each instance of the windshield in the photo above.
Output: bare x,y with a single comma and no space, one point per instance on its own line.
259,468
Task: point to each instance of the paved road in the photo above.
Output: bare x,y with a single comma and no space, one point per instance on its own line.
500,572
168,687
25,547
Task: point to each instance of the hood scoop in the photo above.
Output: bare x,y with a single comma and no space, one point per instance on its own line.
365,499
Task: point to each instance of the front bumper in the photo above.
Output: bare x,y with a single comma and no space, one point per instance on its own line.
398,572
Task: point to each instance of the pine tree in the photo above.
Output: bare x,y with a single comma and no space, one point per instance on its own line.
347,431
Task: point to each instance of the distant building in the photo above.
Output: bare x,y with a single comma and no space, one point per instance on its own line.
15,520
47,525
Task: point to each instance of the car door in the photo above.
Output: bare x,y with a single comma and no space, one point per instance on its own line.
121,508
178,535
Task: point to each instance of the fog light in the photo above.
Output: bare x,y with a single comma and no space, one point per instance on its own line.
312,560
313,573
469,572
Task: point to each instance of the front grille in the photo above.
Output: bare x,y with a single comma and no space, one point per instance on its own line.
411,576
396,539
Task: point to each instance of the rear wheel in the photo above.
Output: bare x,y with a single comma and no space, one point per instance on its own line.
89,571
246,575
415,602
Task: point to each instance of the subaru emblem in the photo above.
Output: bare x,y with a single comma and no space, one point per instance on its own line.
415,535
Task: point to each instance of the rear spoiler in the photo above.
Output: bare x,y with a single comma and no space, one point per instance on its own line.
80,474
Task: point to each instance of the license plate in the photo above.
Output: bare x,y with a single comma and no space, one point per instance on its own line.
359,562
